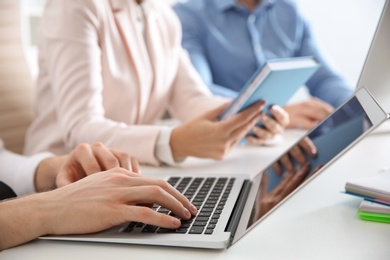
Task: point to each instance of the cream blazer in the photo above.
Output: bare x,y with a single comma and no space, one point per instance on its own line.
102,79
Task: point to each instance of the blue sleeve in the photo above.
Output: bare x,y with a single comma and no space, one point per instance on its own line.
193,42
327,84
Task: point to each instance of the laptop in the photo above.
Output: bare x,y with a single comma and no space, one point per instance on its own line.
375,74
230,206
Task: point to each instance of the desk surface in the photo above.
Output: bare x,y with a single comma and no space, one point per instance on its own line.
318,222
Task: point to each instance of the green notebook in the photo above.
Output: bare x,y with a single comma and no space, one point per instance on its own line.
371,216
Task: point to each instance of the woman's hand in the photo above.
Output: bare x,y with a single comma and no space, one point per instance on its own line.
84,160
206,137
272,126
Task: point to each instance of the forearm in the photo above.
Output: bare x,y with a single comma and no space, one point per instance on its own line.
330,88
195,98
23,219
327,83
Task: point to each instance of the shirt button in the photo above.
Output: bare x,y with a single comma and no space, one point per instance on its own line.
252,18
258,47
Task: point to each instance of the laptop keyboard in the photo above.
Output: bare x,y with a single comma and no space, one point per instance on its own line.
209,195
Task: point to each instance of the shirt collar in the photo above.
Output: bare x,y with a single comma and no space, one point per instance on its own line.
118,5
223,5
265,4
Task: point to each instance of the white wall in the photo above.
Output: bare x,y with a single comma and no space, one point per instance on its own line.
344,29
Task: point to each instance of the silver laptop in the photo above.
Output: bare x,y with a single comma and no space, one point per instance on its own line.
375,75
230,206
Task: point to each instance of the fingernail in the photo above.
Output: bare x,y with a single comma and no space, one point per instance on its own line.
275,107
314,151
176,222
193,209
187,213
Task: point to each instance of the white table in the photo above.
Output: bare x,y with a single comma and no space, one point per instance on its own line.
318,222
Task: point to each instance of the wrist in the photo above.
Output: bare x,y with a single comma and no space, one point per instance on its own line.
44,212
31,216
46,173
178,149
49,208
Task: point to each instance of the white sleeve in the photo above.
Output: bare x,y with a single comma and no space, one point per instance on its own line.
163,148
18,171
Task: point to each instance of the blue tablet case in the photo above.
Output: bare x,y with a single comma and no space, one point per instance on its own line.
278,85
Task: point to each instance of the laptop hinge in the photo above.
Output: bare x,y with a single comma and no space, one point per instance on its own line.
238,209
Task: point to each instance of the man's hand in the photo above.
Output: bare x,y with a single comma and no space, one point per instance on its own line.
308,113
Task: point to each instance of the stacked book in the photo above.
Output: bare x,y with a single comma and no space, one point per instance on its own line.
375,190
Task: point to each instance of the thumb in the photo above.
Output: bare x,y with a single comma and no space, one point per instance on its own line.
213,114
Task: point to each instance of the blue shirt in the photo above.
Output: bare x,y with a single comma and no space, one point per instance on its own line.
227,43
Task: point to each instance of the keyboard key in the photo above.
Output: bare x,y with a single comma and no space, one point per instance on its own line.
186,225
165,230
163,210
173,180
140,224
204,214
209,231
202,219
200,223
149,229
214,221
181,230
197,203
130,227
196,230
199,199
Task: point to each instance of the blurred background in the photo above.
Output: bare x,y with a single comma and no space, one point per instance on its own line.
344,29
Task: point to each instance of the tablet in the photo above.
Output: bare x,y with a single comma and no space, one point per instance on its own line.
275,82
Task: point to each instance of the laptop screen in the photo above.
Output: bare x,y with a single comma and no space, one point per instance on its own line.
311,153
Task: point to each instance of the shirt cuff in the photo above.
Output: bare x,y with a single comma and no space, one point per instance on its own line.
163,148
21,171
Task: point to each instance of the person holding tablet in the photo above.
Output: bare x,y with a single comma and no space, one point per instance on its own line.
228,40
108,70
